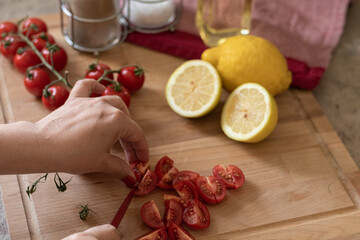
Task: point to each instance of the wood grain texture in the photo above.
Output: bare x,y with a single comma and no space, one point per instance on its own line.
301,182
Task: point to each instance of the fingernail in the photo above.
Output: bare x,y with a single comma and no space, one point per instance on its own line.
129,181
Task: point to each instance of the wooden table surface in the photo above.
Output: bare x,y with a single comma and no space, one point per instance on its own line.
301,181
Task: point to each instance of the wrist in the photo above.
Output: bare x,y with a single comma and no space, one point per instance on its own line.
20,149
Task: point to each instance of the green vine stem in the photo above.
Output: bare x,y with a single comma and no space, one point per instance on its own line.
46,64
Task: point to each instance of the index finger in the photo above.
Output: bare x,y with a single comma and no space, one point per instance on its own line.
83,88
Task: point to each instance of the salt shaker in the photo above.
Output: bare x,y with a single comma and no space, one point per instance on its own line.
152,16
92,25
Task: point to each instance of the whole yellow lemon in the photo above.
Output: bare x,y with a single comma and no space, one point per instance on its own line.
243,59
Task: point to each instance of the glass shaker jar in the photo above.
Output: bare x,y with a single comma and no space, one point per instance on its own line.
92,25
217,20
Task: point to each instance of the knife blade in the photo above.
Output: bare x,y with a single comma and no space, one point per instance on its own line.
122,209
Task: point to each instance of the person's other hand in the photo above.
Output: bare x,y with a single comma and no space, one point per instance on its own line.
103,232
80,134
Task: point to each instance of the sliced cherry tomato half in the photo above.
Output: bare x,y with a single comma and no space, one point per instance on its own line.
175,232
173,212
232,176
211,189
196,215
147,184
163,166
139,168
150,215
6,28
158,234
186,190
168,197
166,181
186,175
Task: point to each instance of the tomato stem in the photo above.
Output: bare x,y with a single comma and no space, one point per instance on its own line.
32,188
46,64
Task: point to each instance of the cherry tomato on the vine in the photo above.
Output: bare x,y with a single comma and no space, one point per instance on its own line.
35,81
41,40
121,92
10,45
33,26
55,56
6,28
132,78
96,70
25,58
54,97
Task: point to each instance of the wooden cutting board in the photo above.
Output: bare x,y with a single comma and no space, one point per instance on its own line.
301,181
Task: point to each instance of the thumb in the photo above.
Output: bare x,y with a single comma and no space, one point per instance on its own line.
118,167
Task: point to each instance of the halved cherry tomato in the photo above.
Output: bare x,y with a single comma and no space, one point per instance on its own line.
121,92
147,184
168,197
173,212
186,175
33,26
96,70
186,190
6,28
158,234
163,166
25,58
166,181
139,168
35,81
196,215
232,176
10,45
41,40
211,189
150,215
175,232
54,97
132,77
55,56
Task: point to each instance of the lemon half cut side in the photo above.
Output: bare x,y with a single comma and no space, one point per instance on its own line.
250,113
193,89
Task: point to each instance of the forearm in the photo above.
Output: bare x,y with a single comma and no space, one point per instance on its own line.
20,150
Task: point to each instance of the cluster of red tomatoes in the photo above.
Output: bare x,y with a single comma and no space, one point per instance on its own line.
25,59
37,77
129,80
193,191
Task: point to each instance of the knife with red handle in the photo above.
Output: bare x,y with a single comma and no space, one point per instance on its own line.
122,209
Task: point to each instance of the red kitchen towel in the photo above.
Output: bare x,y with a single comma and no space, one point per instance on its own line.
305,31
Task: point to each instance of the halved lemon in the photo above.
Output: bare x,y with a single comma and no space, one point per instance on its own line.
193,89
250,113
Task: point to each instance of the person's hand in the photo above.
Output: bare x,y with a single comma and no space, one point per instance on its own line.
79,135
103,232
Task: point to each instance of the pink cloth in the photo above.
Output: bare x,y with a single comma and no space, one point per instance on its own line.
305,30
